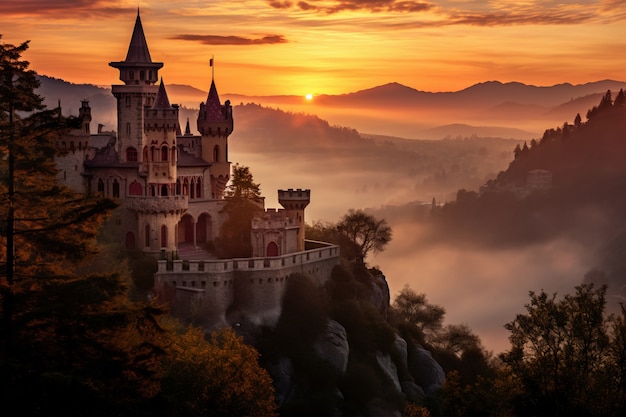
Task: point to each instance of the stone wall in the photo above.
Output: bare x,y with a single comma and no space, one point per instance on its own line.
202,292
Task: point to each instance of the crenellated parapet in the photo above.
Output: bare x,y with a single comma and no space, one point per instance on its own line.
159,120
292,199
273,219
203,291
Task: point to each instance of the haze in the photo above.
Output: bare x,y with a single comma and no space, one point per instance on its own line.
264,48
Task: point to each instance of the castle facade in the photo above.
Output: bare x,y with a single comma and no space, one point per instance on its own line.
170,187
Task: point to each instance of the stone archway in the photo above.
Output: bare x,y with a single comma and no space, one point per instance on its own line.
186,230
204,229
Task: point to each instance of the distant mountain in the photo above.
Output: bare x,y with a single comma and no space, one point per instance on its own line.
514,109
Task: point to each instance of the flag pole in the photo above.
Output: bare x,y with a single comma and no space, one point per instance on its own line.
212,68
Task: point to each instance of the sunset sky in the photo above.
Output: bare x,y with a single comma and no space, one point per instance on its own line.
264,47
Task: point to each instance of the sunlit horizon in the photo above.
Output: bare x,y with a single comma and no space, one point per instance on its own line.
333,47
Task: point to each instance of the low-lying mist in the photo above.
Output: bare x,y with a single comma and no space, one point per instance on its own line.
482,288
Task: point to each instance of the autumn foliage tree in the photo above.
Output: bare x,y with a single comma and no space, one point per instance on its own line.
220,376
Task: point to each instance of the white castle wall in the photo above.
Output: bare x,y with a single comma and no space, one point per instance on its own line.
203,291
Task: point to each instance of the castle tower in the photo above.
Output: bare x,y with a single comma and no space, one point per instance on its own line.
160,130
215,124
84,113
139,75
294,202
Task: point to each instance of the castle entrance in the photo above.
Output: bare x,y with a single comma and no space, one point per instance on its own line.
186,229
204,229
272,249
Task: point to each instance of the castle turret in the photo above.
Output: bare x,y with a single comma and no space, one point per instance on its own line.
294,202
215,124
84,114
139,75
160,130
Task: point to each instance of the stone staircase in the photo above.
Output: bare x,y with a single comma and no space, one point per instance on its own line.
189,252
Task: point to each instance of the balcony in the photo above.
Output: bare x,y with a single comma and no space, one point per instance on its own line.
158,204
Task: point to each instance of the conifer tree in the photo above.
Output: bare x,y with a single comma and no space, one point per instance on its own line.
70,343
243,202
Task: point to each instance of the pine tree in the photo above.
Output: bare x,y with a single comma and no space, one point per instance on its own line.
243,202
70,343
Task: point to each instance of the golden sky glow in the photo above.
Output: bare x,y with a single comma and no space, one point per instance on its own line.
272,47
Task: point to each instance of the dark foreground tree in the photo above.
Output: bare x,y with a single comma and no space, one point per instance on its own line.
70,343
564,353
368,233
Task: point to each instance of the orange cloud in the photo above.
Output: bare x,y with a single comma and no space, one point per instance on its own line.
64,9
374,6
231,40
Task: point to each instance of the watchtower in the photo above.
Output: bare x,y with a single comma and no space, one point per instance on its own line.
294,202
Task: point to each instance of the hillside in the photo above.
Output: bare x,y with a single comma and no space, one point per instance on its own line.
585,202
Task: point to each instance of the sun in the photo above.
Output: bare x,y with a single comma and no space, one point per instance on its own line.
308,96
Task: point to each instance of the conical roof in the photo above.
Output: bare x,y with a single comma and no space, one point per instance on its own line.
138,49
162,101
213,105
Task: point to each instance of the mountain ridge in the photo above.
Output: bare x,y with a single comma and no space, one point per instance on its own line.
398,110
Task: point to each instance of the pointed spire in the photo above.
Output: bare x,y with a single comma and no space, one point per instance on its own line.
213,104
162,102
187,128
138,48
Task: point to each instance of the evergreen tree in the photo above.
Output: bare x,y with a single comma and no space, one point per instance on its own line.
243,202
620,100
577,120
70,343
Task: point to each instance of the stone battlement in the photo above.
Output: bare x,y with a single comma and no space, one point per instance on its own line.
202,292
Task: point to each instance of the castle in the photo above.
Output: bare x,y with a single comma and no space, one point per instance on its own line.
170,188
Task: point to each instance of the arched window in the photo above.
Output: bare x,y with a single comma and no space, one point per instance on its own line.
164,152
152,191
199,188
192,189
100,186
116,188
128,129
185,187
164,236
177,187
216,153
164,190
130,240
135,189
147,237
131,154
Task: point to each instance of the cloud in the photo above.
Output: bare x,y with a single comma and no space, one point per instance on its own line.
337,6
281,4
443,13
231,40
64,9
